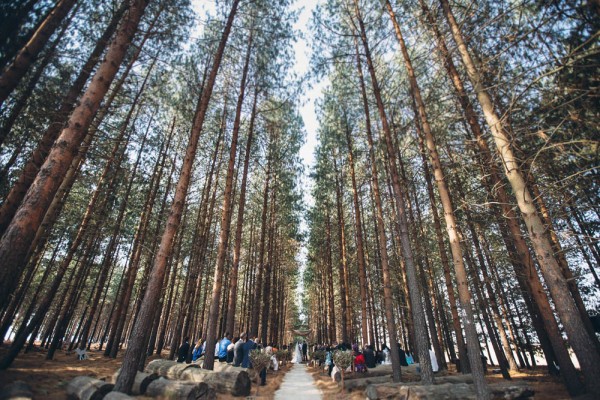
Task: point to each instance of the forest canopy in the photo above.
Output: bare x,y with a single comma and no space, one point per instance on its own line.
153,186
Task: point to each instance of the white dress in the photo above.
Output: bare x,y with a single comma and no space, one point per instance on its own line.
434,363
297,354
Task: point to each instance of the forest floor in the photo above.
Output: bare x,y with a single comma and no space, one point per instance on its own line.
544,385
49,378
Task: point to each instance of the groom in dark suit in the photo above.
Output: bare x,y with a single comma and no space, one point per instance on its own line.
304,351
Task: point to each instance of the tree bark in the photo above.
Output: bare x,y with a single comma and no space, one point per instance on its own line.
139,336
380,229
411,272
240,224
211,334
583,346
16,70
360,253
38,156
17,238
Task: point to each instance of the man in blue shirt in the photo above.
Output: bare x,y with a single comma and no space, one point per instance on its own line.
226,341
248,346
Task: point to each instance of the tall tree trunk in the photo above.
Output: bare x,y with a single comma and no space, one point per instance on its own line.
411,271
211,334
21,101
522,261
381,237
343,263
232,301
111,247
584,348
38,156
261,253
16,70
266,292
329,265
17,238
139,336
451,223
360,253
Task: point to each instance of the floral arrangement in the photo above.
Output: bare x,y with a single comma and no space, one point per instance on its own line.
319,355
343,359
259,359
283,355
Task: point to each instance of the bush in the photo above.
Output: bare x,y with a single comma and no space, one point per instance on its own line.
259,359
343,358
319,355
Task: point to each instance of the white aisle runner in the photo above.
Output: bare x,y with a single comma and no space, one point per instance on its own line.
298,384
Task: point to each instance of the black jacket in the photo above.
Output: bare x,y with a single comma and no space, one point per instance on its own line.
369,358
183,351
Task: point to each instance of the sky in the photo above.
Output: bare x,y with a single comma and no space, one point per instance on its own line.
302,52
307,106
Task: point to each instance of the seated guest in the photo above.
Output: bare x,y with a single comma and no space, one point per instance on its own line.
183,350
369,355
246,348
402,356
198,350
230,350
221,353
238,353
409,358
359,363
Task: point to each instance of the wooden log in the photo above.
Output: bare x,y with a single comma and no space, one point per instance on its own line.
165,389
17,390
117,396
446,391
236,383
355,384
141,382
168,369
87,388
222,367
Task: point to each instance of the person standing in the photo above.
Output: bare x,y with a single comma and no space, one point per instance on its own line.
298,354
304,351
183,350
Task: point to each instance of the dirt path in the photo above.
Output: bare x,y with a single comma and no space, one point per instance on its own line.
298,384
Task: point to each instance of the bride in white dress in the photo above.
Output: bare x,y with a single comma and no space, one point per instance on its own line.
298,354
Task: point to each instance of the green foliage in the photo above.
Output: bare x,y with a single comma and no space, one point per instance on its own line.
343,358
259,359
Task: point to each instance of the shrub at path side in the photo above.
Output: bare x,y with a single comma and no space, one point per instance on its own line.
343,359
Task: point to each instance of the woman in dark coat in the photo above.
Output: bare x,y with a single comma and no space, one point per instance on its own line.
183,350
